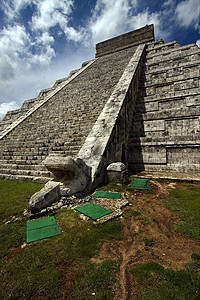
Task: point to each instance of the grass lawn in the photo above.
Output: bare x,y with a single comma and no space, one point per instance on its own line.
61,267
158,283
186,203
37,269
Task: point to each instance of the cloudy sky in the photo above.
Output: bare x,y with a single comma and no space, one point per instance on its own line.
43,40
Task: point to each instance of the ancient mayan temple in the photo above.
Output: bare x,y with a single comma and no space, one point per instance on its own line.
137,102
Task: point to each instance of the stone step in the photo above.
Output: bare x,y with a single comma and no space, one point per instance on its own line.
173,49
167,65
153,44
167,140
170,69
31,102
169,61
171,96
25,178
156,49
7,165
185,71
22,162
169,91
167,114
165,79
26,172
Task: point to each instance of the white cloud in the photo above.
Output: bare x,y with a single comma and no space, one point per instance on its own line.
13,43
50,13
168,3
4,107
110,17
114,17
198,43
45,39
188,13
145,18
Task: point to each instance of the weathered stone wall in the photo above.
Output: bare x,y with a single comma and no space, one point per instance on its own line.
165,132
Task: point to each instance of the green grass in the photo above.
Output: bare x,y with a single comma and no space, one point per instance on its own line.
148,242
186,203
114,187
14,197
35,270
95,281
156,283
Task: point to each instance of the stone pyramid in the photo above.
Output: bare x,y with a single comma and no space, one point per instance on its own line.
137,102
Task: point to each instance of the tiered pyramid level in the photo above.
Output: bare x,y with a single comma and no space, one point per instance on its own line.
165,133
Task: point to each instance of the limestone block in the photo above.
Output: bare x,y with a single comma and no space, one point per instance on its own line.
151,106
154,125
116,172
45,197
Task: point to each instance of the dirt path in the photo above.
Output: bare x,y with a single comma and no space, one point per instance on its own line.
155,225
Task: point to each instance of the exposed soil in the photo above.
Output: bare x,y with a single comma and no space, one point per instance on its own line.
68,279
169,248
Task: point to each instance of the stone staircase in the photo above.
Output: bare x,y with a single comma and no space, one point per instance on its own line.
143,108
13,115
165,132
59,119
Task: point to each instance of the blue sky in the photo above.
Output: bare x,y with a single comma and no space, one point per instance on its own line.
43,40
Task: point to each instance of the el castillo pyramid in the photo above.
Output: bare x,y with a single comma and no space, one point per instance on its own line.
136,102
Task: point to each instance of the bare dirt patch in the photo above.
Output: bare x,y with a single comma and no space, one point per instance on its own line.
149,236
68,280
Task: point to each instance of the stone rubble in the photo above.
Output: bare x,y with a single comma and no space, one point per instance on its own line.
80,199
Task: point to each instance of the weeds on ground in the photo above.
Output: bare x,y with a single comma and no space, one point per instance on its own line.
96,281
113,187
186,203
14,197
128,213
36,269
155,282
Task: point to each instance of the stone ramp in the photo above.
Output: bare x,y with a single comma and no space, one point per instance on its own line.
108,140
61,123
165,132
